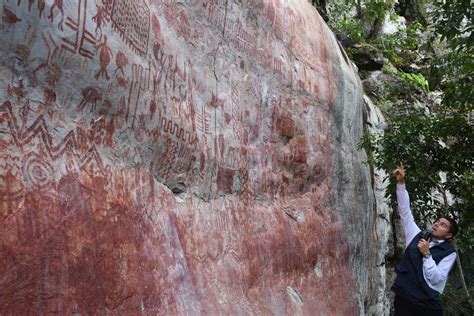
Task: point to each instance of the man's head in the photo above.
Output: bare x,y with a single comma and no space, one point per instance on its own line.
444,228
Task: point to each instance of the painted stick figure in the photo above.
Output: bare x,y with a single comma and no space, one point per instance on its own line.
100,18
104,56
59,4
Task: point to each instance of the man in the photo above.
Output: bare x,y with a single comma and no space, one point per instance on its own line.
423,270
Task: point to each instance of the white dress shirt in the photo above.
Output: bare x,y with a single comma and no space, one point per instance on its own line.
434,275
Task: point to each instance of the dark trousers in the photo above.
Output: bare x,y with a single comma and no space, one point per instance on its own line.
405,308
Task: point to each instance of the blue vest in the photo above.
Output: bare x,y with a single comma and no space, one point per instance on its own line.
410,283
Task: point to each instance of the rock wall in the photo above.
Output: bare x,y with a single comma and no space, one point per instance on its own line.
180,157
378,303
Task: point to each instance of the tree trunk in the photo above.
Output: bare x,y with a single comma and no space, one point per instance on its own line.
463,282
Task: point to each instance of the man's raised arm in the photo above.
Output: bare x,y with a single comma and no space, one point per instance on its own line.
408,222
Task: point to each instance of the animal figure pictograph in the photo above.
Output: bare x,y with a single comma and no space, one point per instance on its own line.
105,55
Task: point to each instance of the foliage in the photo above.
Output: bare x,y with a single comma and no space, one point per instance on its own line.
376,9
434,137
431,132
356,18
352,28
455,23
401,48
453,74
437,150
360,21
416,79
455,302
435,141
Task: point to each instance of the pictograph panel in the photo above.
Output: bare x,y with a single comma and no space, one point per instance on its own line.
131,18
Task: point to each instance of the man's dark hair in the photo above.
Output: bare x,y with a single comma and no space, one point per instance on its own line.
453,225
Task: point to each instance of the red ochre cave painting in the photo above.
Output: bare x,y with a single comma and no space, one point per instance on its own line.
105,54
114,261
78,38
59,5
287,25
41,4
90,246
90,95
102,16
40,154
131,19
9,17
251,255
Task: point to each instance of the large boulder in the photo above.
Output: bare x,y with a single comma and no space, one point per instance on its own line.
194,157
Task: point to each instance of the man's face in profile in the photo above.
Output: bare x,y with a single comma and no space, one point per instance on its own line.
441,229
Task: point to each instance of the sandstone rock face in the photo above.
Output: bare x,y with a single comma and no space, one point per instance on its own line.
378,303
179,157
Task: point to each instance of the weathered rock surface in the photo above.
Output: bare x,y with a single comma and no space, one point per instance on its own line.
367,57
167,157
377,303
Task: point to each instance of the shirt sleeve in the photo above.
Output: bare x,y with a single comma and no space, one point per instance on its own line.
408,222
435,274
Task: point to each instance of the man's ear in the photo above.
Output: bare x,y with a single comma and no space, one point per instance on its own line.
449,236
